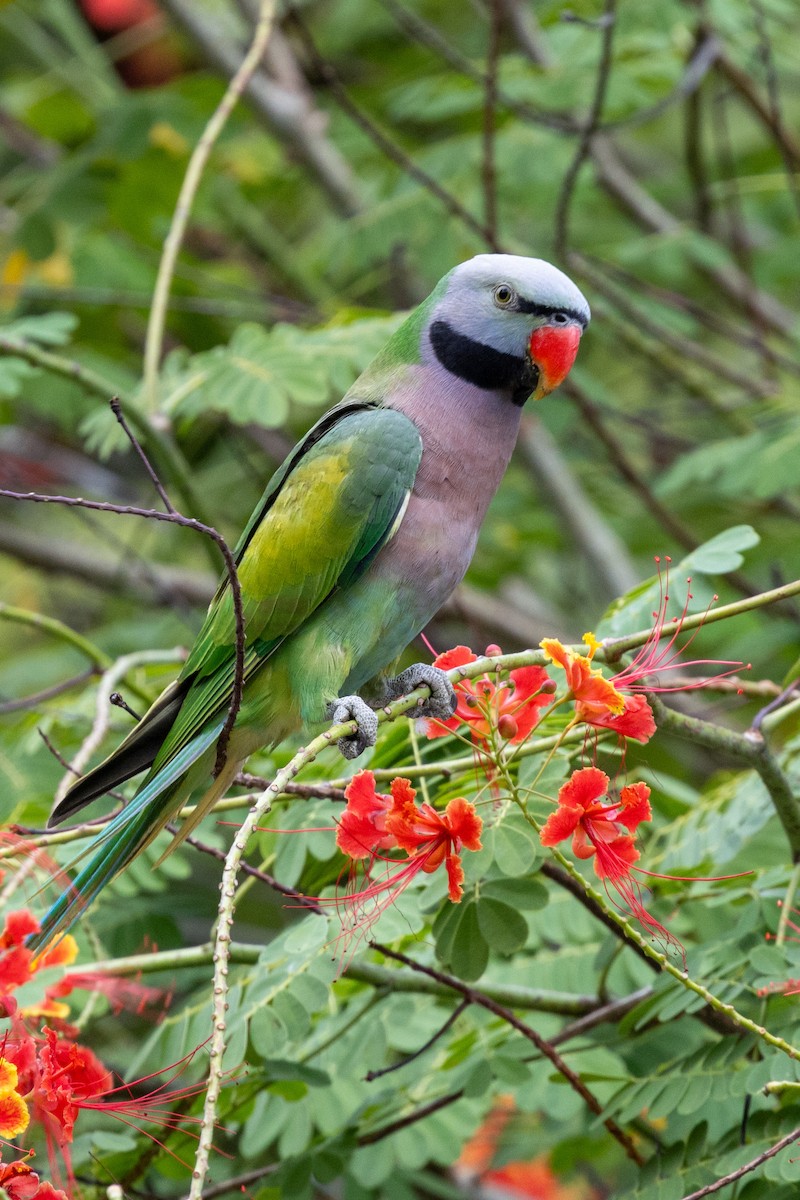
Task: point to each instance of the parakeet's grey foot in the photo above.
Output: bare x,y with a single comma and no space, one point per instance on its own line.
442,701
353,708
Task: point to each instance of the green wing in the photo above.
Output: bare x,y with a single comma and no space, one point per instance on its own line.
324,516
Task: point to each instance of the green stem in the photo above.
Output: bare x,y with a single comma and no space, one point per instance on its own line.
751,747
166,453
154,337
57,629
788,901
512,995
684,979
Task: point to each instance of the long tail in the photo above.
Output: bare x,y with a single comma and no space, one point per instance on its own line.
157,801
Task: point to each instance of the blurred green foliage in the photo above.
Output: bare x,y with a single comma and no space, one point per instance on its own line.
679,430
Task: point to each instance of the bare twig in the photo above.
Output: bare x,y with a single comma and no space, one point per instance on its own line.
561,219
419,1114
440,1032
753,1165
108,682
57,689
191,182
381,139
488,166
603,550
173,518
97,385
544,1047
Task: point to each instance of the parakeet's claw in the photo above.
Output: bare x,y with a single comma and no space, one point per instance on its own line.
353,708
442,701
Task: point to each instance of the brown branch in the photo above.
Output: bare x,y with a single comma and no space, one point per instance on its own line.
714,1020
619,459
544,1047
742,81
255,873
419,1114
747,1168
57,689
173,518
488,164
380,138
451,1020
561,219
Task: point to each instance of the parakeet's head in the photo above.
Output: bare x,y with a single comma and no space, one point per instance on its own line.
504,321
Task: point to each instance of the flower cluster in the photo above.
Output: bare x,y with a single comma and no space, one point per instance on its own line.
599,826
46,1075
600,702
511,707
373,822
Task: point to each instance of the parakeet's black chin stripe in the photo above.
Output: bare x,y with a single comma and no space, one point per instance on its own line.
483,365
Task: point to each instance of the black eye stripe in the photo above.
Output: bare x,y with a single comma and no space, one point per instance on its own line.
551,310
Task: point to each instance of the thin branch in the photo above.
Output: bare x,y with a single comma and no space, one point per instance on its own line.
750,747
108,682
742,81
290,116
189,188
603,550
385,144
440,1032
149,583
746,1169
418,1114
488,165
97,385
116,408
544,1047
561,219
173,518
618,181
621,461
57,689
57,629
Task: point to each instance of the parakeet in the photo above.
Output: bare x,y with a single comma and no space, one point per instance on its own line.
361,535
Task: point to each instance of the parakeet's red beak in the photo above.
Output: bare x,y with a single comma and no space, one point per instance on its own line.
553,349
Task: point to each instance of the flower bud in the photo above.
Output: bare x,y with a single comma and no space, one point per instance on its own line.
507,727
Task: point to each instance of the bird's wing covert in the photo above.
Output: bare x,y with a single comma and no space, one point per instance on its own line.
322,519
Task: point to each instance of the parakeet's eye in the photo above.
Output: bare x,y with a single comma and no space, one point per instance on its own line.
503,295
560,318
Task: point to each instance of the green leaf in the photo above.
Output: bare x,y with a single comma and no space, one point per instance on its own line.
505,929
469,951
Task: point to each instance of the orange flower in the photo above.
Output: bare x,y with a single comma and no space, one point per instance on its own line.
69,1074
19,1182
602,830
373,822
432,838
14,1115
361,832
18,964
512,707
595,695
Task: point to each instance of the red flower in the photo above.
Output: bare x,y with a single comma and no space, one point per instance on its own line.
361,832
605,831
595,695
69,1074
596,827
636,721
373,822
511,707
432,838
18,964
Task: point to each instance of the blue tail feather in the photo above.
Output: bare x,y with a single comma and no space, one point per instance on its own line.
124,836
